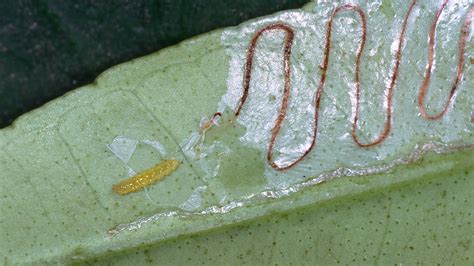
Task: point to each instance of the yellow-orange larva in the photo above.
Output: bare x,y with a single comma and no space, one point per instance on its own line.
146,178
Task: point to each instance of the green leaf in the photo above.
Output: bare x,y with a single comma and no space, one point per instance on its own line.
406,200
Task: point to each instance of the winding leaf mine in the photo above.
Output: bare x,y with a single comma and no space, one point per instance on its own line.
317,112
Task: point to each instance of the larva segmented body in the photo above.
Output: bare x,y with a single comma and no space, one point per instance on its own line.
146,178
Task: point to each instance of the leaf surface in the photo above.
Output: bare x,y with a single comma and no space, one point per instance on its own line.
405,200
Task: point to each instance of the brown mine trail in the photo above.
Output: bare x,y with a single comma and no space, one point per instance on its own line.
287,47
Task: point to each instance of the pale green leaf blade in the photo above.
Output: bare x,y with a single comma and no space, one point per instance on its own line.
59,163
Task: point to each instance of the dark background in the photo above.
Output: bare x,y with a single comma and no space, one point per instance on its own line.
50,47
